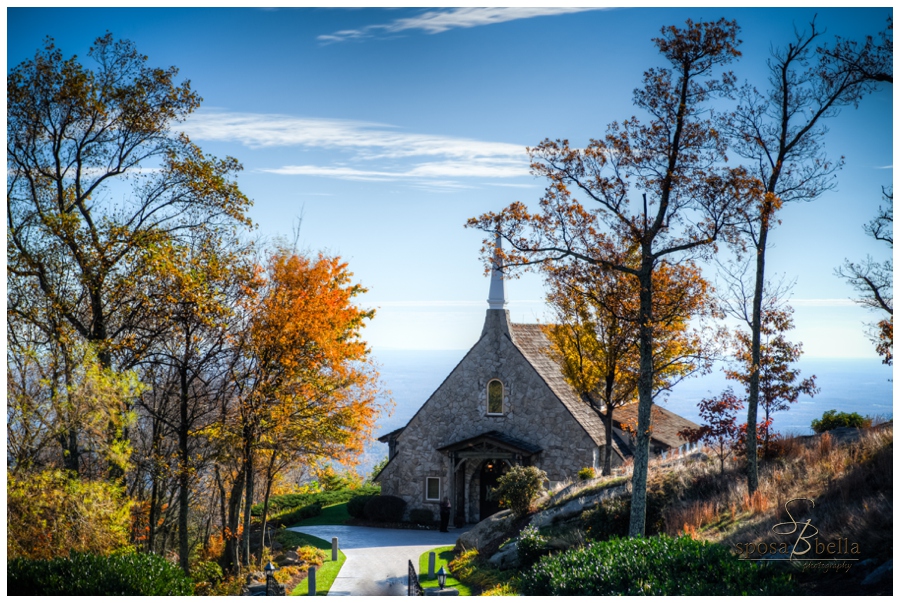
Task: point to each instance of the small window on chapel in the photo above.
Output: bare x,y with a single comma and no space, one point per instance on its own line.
495,398
432,488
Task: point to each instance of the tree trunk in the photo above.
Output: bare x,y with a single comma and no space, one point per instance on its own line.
184,472
607,462
265,510
756,329
223,521
232,556
70,452
248,503
645,403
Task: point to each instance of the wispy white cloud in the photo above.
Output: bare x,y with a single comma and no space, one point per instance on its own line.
372,151
372,139
439,21
437,169
884,167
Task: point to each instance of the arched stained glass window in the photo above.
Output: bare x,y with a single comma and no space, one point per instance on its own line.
495,398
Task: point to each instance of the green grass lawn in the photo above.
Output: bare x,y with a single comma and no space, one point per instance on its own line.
444,555
334,515
325,574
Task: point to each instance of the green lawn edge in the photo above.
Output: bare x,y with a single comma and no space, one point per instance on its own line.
443,556
334,515
326,573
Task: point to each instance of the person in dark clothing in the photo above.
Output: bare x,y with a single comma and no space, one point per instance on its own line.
445,514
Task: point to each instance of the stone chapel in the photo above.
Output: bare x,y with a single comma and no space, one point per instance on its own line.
505,403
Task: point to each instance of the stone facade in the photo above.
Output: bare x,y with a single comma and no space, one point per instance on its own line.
534,427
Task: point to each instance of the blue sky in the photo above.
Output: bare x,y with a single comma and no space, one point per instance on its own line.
388,128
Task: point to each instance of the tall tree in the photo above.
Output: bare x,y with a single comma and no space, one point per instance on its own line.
77,138
780,133
198,284
673,162
97,180
306,386
595,335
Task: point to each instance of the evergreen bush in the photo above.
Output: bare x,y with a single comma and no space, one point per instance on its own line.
83,574
293,516
356,506
833,419
518,487
653,566
385,508
326,499
424,517
531,546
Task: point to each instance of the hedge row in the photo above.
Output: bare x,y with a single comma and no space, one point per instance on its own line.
290,517
83,574
653,566
292,501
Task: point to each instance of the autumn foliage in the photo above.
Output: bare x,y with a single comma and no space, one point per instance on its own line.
52,513
156,353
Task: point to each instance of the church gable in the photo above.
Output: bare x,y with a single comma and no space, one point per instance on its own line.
505,403
531,341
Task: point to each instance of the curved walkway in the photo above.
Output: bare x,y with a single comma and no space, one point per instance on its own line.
377,558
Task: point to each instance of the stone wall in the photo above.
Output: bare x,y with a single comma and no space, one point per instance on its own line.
458,410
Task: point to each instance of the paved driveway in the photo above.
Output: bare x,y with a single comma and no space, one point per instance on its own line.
377,558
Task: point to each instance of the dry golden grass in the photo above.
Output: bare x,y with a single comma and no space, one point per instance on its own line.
850,485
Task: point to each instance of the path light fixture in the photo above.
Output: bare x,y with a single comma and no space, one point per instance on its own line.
442,577
270,578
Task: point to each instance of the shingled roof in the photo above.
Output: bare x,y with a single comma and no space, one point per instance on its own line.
664,424
534,345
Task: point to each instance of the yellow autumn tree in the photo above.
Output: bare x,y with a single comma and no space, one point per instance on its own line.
595,338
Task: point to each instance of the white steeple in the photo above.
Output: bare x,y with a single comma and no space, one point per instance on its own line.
497,295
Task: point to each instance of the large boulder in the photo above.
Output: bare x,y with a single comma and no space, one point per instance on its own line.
507,557
575,507
486,531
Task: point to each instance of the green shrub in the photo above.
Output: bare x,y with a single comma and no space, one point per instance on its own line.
84,574
385,508
284,502
293,516
424,517
531,546
653,566
356,506
833,419
586,473
518,487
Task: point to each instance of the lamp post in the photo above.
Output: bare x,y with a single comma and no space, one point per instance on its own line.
442,577
270,578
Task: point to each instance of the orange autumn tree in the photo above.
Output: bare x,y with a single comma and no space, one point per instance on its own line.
307,388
